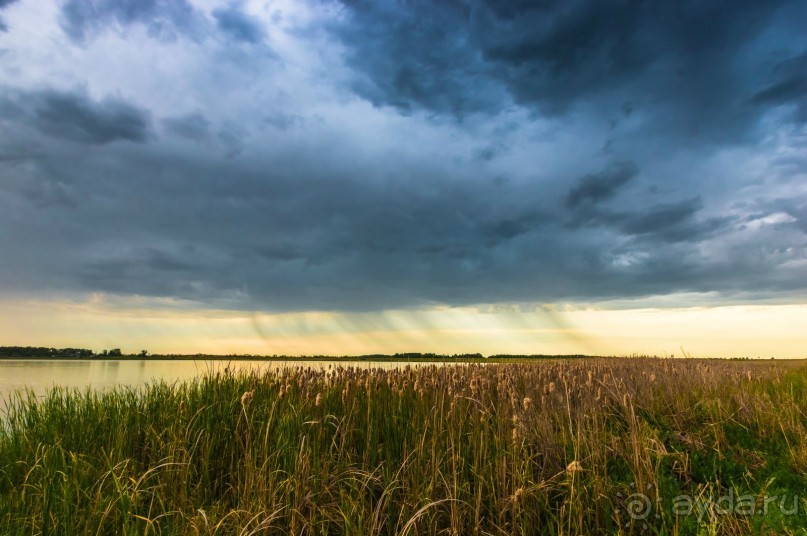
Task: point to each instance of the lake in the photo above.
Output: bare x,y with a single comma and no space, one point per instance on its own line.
42,374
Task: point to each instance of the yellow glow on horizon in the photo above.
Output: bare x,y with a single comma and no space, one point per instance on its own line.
165,327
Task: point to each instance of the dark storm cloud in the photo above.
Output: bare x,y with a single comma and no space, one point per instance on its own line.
660,223
790,86
286,121
411,61
4,4
600,186
793,209
296,237
509,228
683,64
162,18
233,136
522,151
192,126
238,25
76,117
669,222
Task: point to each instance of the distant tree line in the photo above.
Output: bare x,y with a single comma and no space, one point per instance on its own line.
84,353
431,356
43,351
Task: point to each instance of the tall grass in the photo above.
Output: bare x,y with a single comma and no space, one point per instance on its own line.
554,448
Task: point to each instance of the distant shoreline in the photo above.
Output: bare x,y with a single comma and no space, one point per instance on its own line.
304,359
372,358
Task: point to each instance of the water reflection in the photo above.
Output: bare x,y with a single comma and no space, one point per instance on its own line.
40,375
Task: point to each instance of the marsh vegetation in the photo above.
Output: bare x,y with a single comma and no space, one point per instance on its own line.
561,447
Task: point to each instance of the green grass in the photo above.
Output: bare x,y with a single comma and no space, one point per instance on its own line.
556,448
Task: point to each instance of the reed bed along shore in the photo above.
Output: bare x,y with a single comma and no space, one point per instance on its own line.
602,446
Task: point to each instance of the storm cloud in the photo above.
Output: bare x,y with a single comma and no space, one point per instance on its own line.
82,19
237,24
599,186
192,126
3,5
685,64
76,117
789,87
405,154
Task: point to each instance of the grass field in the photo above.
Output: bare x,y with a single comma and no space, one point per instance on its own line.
594,446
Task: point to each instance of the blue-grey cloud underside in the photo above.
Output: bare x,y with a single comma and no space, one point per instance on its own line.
76,117
3,5
279,209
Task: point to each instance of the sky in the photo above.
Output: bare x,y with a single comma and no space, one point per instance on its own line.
342,177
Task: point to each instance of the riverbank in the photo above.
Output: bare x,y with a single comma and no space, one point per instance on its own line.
555,447
381,358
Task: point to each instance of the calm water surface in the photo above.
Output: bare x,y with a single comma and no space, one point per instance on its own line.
42,374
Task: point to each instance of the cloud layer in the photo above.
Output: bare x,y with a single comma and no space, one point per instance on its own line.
372,155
